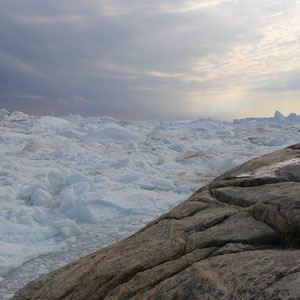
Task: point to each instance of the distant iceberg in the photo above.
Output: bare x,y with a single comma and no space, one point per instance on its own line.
278,117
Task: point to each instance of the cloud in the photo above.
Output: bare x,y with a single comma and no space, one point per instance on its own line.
281,82
74,19
139,59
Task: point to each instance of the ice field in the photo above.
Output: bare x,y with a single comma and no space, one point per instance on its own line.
69,186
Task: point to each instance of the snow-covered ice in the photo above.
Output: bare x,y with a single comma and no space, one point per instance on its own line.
71,185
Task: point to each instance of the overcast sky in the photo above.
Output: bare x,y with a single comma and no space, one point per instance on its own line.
141,59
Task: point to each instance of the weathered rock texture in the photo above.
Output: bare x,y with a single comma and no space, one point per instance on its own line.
236,238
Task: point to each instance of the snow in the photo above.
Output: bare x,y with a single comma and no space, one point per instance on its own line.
270,171
71,185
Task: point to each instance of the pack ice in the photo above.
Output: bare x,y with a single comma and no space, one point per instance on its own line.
71,185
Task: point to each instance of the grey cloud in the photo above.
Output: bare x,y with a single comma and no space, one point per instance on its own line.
281,82
108,52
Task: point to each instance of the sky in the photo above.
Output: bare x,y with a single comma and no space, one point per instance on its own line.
141,59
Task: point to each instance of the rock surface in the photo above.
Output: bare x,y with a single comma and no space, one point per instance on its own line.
236,238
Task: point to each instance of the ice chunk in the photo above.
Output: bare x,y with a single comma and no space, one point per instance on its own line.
67,228
278,116
69,148
32,146
112,134
77,208
227,164
171,168
27,192
98,210
131,202
74,190
72,204
57,181
122,162
41,198
26,220
276,141
78,177
48,121
71,134
293,117
162,184
3,114
257,140
35,145
146,186
128,178
94,119
106,119
177,147
73,118
18,116
42,270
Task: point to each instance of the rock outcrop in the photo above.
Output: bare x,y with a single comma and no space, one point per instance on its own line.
236,238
